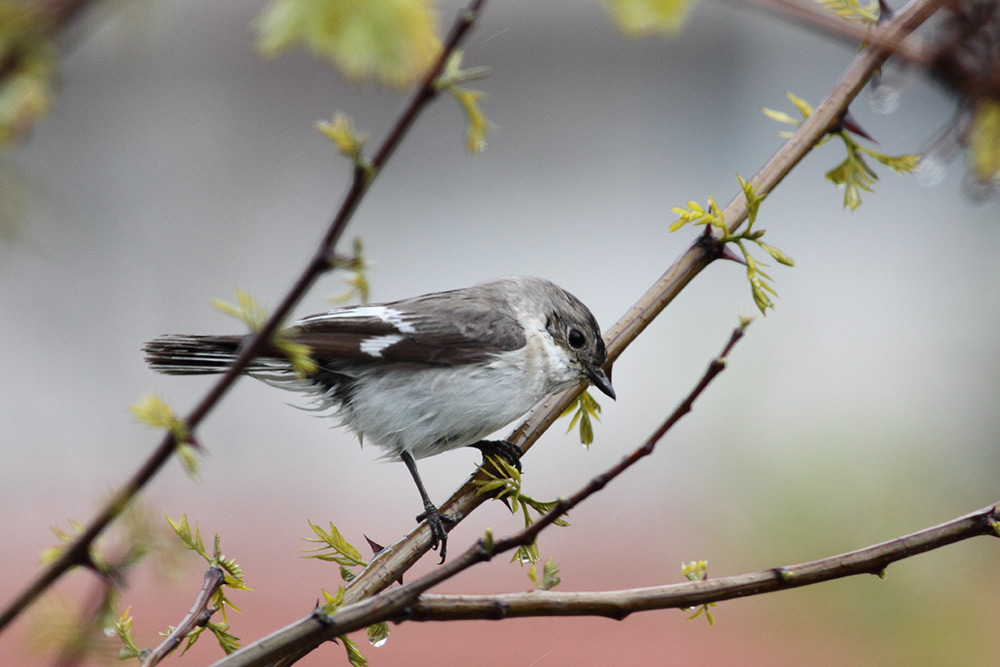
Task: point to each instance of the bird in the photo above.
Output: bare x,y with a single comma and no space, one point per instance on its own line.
427,374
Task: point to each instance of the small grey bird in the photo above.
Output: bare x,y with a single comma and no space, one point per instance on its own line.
424,375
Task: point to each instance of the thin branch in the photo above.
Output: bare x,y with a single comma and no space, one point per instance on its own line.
619,604
394,603
197,617
77,553
386,567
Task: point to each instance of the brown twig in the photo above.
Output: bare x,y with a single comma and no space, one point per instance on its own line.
76,553
199,616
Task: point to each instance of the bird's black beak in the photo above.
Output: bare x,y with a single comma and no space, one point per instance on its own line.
600,380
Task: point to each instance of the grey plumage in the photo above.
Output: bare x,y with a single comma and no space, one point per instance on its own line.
423,375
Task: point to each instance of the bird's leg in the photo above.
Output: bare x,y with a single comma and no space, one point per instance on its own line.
505,449
436,520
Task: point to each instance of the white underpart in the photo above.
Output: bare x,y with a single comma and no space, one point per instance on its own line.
373,346
431,410
383,313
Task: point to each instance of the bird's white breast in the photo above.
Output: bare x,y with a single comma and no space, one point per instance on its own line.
426,411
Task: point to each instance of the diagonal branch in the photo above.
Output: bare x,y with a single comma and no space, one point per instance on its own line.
76,553
829,113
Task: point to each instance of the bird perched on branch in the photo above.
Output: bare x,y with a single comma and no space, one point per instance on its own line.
424,375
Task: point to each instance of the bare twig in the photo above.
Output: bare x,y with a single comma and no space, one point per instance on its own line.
197,617
76,553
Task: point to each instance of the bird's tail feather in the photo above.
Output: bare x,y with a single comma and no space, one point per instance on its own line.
192,355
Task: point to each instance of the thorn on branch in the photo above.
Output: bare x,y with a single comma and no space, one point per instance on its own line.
375,546
848,122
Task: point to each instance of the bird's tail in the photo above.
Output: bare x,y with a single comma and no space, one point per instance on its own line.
192,355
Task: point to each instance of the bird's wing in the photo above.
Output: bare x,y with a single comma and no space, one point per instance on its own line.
437,329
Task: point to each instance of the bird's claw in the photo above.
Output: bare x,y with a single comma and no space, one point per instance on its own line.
505,449
437,521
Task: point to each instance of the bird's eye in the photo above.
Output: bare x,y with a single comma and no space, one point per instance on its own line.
576,339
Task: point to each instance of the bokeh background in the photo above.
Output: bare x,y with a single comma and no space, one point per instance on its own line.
179,166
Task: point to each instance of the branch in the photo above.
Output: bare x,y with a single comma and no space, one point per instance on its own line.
399,557
619,604
76,553
395,603
197,617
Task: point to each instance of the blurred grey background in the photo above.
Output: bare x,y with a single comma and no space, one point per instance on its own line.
178,166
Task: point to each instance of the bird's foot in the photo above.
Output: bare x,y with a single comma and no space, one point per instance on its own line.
437,521
504,449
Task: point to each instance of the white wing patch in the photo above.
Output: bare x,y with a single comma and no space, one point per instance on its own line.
373,346
383,313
